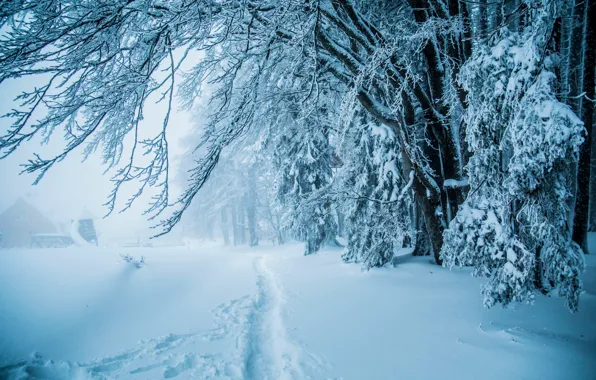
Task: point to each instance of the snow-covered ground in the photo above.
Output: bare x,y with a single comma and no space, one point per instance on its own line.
210,312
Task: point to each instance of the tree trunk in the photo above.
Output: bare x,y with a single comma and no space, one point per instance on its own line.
209,227
432,221
421,242
428,204
580,221
224,226
538,271
592,221
251,209
340,222
253,235
241,226
281,236
235,233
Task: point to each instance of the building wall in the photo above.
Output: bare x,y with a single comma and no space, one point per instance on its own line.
19,222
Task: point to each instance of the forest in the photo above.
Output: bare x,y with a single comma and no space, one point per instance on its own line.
461,129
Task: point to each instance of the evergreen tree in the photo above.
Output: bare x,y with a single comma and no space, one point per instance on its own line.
376,198
304,157
514,226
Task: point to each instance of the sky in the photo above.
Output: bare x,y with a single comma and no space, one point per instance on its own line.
72,185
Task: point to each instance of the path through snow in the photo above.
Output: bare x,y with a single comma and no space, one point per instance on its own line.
261,348
269,353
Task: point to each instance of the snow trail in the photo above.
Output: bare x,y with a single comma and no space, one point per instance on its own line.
250,342
269,354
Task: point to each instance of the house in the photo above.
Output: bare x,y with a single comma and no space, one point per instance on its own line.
20,222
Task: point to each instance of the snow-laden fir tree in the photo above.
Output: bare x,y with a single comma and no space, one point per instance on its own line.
303,157
513,228
374,194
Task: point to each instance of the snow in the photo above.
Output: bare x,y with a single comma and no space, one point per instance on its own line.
379,130
406,188
455,182
86,214
76,237
210,312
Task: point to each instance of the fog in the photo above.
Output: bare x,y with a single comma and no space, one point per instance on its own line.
73,185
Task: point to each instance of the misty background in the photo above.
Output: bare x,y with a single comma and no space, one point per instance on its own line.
74,185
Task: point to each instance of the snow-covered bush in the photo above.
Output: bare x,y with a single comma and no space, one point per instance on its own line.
132,260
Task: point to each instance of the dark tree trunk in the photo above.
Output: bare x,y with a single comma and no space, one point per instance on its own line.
432,221
538,272
421,242
340,223
580,221
444,161
592,221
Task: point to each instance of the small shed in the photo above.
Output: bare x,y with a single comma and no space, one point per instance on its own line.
85,226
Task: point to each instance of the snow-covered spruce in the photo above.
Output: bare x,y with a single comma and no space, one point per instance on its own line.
303,157
376,198
514,226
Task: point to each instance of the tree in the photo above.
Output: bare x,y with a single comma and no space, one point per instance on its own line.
514,226
303,156
224,226
584,99
109,57
376,196
428,70
250,202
